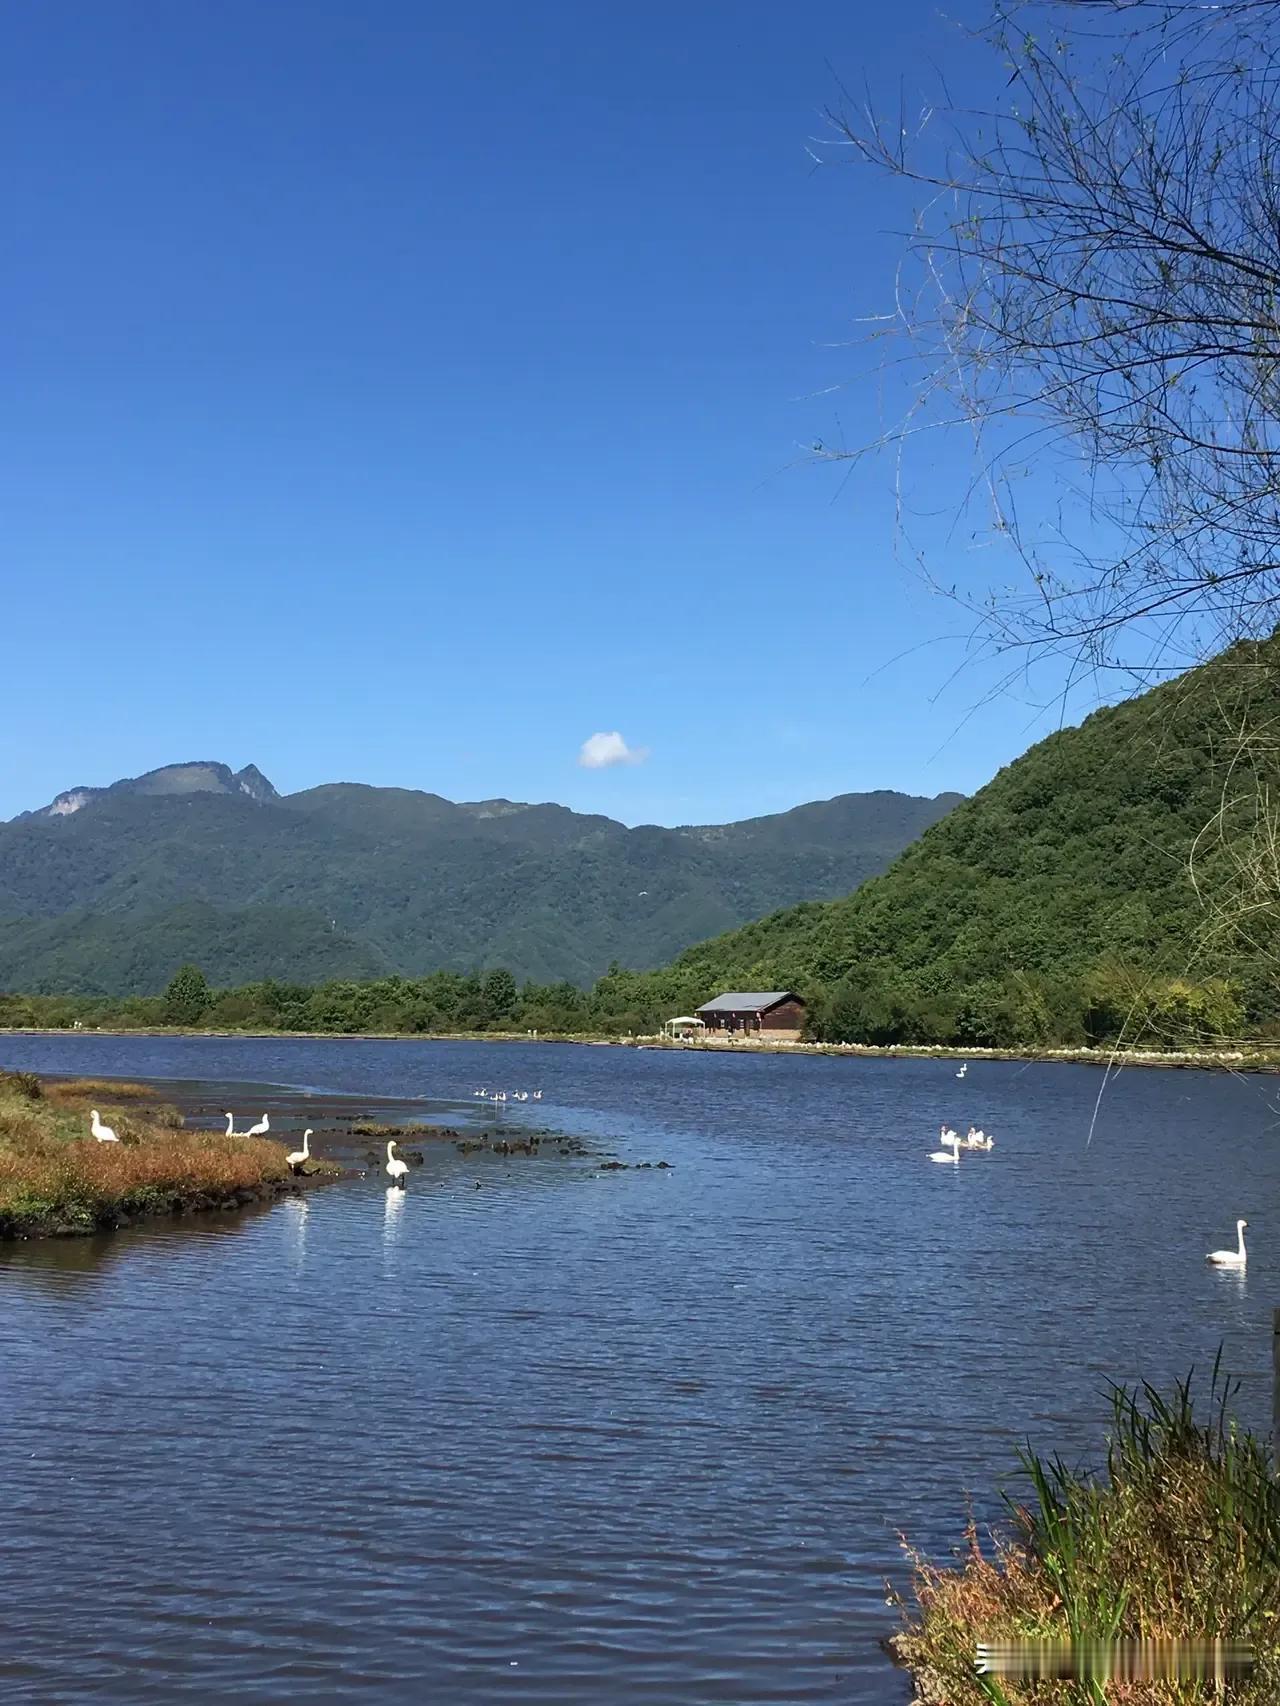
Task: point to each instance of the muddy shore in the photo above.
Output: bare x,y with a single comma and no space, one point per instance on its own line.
352,1131
349,1136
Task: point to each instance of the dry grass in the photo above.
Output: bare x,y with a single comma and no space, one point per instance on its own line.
54,1177
76,1089
1180,1538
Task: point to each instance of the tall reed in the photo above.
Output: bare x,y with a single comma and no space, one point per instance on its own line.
1179,1536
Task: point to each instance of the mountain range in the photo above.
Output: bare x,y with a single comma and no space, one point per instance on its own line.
107,890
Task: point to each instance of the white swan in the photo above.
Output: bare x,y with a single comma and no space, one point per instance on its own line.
103,1133
1230,1258
978,1140
963,1070
299,1156
261,1129
537,1095
231,1132
950,1153
396,1168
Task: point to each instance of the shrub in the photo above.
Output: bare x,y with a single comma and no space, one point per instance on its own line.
1179,1537
24,1084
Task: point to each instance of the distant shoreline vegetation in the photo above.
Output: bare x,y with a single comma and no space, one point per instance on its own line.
1020,1012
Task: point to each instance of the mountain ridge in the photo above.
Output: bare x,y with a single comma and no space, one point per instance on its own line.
347,880
195,776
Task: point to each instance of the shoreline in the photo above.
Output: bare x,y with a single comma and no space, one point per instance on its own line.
349,1131
1209,1060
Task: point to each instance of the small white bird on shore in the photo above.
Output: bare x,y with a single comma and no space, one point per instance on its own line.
1231,1258
261,1129
396,1168
300,1156
103,1133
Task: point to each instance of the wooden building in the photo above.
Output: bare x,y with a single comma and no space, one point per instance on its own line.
777,1012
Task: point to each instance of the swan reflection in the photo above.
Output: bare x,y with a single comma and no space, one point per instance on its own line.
297,1209
1235,1280
393,1213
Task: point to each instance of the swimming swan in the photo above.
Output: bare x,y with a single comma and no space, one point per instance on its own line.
1230,1258
951,1153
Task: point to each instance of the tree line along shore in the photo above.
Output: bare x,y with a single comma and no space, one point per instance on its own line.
1026,1017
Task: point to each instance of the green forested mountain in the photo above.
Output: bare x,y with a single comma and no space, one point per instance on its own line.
1130,866
108,890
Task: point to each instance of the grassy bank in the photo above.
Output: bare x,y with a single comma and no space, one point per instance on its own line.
55,1178
1177,1536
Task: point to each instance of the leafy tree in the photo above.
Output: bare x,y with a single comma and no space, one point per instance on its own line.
188,996
499,995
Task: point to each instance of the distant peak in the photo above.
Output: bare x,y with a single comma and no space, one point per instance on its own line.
199,777
251,781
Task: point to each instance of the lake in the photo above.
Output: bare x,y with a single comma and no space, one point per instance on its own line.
638,1436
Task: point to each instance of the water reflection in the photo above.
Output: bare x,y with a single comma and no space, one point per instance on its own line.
393,1214
58,1265
64,1265
1234,1280
296,1210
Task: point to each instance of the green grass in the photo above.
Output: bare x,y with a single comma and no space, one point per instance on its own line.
1178,1536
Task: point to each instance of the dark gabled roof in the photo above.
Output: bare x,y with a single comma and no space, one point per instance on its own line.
740,1003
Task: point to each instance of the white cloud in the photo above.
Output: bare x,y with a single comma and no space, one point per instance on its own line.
602,750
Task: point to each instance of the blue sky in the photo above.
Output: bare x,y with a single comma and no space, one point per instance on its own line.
404,397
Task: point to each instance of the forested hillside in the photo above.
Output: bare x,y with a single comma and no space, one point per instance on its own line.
108,890
1125,869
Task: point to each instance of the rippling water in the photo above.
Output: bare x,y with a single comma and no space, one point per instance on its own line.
639,1436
